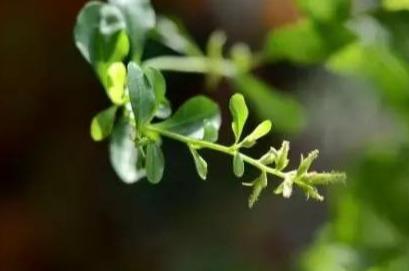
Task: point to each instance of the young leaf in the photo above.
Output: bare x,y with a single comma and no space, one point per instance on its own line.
210,132
261,130
238,165
175,37
305,163
284,111
116,82
140,18
200,163
269,157
286,187
102,123
155,162
323,178
141,95
239,114
157,81
123,154
282,156
190,118
258,186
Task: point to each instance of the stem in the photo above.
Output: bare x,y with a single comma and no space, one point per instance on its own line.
192,65
217,147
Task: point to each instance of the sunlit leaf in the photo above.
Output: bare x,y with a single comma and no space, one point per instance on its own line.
261,130
191,117
395,5
102,123
116,82
239,112
140,19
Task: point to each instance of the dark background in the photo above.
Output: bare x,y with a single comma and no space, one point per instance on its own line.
61,205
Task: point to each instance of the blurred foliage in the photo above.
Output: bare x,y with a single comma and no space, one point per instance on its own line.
369,225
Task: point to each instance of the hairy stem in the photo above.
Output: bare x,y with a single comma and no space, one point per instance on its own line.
217,147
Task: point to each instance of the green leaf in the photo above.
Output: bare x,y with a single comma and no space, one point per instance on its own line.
239,112
238,165
140,19
306,41
215,53
305,163
282,156
157,80
141,95
284,111
100,37
326,11
324,178
123,154
174,36
210,132
387,71
200,163
395,5
261,130
269,157
102,123
116,82
259,185
242,57
190,119
155,163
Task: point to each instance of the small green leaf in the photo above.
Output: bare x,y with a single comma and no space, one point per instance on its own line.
324,178
174,36
155,163
102,123
125,158
259,185
141,95
282,156
305,163
261,130
311,192
269,157
238,165
158,82
116,82
200,163
284,111
190,119
140,19
210,132
239,112
286,187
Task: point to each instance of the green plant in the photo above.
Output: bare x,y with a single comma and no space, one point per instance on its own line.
112,37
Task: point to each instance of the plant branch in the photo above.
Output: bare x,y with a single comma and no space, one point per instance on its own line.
217,147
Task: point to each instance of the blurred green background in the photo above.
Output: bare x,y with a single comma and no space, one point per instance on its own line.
63,208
